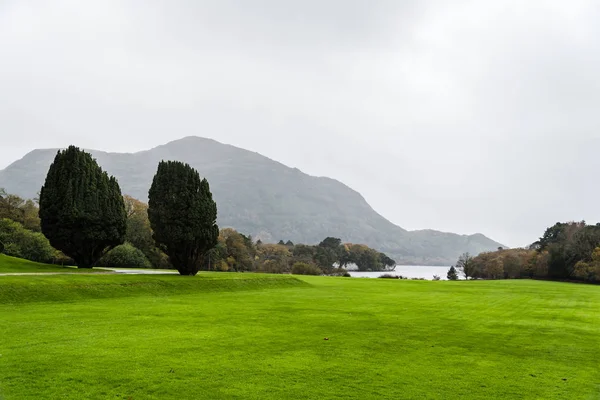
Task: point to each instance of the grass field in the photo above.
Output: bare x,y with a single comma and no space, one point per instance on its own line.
13,265
251,336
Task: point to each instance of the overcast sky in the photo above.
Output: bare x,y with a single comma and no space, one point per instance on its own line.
462,116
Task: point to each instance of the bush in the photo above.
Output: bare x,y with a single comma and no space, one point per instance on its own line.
452,274
300,268
1,247
273,267
436,278
23,243
346,274
13,250
336,272
158,259
389,276
124,256
60,258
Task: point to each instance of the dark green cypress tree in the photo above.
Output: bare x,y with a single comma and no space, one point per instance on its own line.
81,208
452,275
183,215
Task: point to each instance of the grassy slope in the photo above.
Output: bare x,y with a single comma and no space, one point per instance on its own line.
18,265
227,336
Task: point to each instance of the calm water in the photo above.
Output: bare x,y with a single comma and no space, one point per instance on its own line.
408,271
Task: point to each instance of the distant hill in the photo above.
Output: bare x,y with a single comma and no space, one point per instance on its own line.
264,198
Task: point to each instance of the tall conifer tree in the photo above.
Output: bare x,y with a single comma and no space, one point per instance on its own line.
183,215
81,208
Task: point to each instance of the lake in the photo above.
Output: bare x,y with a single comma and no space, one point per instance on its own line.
408,271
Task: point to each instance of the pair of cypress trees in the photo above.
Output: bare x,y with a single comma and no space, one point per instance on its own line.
83,215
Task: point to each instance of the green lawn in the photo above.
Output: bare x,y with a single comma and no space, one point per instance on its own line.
13,265
252,336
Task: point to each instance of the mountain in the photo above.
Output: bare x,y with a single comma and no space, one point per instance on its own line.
264,198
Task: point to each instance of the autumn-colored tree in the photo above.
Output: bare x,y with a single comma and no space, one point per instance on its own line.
274,258
241,250
589,270
139,232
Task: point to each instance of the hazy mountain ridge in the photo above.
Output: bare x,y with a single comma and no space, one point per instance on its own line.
265,198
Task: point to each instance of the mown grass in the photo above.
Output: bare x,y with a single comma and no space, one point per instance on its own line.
250,336
17,265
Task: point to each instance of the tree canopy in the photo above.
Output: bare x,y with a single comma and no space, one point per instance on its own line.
452,274
81,208
566,251
183,215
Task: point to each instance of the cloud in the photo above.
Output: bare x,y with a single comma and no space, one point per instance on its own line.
465,116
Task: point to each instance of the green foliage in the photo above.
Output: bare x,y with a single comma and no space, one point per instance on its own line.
589,270
17,209
389,276
237,252
332,252
23,243
304,253
452,275
139,233
124,256
300,268
567,244
566,251
274,258
1,247
183,215
365,258
81,209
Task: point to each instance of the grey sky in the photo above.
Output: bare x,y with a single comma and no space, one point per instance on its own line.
463,116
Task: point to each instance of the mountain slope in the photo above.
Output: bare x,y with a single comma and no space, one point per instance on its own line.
262,197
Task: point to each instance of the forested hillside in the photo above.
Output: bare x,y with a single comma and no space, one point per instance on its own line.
265,199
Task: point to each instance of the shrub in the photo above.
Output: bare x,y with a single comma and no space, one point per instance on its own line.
124,256
346,274
23,243
300,268
158,259
273,267
389,276
1,247
337,272
452,274
13,250
436,278
60,258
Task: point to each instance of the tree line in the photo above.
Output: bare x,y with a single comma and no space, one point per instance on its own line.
81,218
566,251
